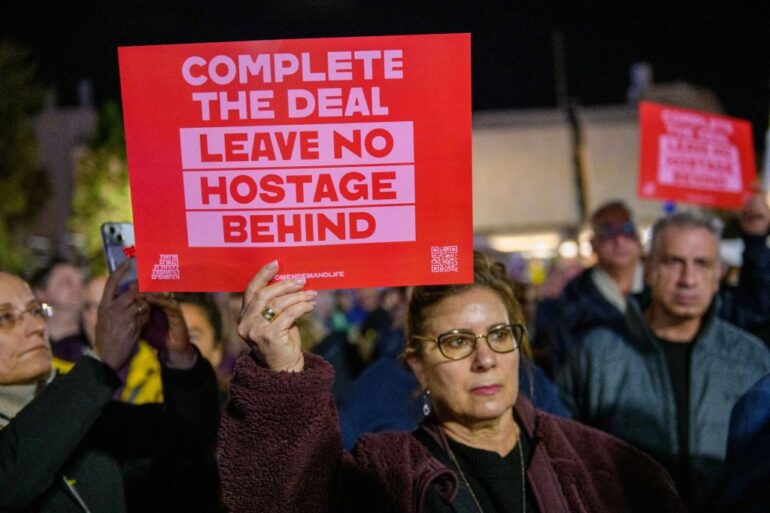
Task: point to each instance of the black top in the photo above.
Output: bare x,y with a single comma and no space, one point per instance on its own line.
495,480
678,355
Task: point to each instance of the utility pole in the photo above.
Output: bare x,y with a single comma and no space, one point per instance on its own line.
569,107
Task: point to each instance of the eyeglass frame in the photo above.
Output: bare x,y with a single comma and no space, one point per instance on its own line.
515,327
46,311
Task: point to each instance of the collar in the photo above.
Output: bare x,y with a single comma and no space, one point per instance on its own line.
609,289
13,398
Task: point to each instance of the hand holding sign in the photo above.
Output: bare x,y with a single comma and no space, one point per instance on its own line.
268,319
755,215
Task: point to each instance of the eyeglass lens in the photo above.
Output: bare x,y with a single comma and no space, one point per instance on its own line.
459,344
9,318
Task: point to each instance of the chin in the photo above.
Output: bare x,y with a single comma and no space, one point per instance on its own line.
491,411
37,370
687,313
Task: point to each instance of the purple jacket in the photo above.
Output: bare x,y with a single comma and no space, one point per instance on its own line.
280,449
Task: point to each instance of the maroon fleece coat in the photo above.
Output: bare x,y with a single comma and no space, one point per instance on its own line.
280,450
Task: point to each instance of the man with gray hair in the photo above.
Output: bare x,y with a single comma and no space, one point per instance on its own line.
667,380
597,296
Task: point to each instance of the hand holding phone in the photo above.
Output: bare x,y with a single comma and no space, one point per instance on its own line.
118,240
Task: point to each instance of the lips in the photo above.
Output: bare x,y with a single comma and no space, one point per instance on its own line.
686,299
33,349
486,390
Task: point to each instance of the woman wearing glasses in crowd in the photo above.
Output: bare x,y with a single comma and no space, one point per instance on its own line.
65,446
481,448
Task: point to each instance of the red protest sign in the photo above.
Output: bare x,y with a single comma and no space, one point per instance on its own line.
694,157
348,160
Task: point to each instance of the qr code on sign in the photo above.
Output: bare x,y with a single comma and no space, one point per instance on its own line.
443,259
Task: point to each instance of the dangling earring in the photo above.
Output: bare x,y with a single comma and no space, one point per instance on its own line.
426,402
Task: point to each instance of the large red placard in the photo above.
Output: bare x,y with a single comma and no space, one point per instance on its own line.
347,159
695,157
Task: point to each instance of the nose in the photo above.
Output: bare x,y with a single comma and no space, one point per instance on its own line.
483,357
687,275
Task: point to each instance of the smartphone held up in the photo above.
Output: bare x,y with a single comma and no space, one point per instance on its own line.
118,241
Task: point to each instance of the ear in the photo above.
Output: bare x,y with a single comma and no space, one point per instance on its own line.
418,367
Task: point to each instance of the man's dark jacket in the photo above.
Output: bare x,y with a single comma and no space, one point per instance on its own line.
73,449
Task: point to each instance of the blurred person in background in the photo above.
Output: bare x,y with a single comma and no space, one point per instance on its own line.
93,292
230,306
597,296
383,397
371,318
343,303
744,484
61,285
333,344
204,324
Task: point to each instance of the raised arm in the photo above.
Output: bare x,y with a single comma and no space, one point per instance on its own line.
279,443
748,304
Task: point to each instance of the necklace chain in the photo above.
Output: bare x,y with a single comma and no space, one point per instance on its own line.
523,476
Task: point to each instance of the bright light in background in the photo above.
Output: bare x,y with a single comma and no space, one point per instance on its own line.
537,245
586,250
584,241
645,233
568,249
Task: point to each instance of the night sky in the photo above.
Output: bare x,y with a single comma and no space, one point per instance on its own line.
725,48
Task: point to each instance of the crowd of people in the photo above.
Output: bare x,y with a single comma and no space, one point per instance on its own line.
640,385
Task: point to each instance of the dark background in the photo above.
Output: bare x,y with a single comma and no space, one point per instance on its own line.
725,47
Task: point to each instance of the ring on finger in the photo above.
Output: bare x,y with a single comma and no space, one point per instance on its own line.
140,308
269,314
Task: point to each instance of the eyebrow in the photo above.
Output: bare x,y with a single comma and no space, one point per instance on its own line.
9,306
489,327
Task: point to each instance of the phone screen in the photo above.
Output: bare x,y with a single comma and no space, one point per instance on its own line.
118,241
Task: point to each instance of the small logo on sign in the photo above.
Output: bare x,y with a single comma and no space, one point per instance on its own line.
167,267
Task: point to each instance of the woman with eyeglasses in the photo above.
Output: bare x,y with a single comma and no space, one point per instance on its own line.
66,446
482,447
